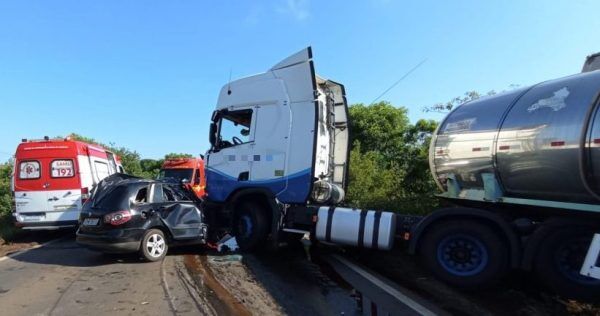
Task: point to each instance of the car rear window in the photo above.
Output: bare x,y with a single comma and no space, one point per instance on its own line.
29,169
116,199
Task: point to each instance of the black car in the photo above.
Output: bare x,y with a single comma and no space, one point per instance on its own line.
130,214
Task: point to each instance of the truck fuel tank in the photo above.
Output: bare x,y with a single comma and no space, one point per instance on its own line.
361,228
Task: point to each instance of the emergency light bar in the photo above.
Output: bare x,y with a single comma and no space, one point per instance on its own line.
591,265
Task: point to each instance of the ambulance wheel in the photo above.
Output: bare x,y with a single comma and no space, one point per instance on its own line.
250,226
154,245
559,261
465,253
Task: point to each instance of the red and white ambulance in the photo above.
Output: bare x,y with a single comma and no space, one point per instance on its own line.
52,178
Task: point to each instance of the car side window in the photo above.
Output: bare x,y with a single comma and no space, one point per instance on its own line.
142,195
168,195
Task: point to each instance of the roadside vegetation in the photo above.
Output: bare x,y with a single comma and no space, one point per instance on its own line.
389,166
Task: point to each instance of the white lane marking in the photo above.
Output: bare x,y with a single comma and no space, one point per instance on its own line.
384,286
32,248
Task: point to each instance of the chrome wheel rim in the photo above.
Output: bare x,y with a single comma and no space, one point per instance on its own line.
155,245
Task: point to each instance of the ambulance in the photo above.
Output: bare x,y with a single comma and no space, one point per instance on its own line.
52,178
190,170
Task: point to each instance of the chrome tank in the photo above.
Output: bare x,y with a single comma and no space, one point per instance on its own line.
540,142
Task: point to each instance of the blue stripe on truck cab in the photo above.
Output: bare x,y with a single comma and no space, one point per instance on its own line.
221,185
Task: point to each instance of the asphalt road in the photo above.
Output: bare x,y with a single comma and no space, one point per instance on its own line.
65,279
62,278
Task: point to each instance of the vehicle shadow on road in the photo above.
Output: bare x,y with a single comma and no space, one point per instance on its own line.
66,252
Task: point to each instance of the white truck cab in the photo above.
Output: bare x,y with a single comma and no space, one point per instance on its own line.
285,130
278,163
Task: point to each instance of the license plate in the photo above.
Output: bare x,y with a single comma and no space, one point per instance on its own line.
90,222
33,218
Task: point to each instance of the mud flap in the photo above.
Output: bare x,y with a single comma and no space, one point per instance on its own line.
591,265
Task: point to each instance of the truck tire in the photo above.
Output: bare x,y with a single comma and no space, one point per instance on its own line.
465,253
154,245
250,226
559,261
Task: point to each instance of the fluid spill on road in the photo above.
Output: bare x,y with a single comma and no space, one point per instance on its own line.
220,299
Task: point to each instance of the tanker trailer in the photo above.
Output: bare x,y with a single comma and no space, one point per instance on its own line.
521,172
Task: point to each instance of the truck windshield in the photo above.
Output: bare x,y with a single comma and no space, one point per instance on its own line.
178,174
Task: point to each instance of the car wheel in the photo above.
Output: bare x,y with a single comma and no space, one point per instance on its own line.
559,261
154,245
250,226
465,254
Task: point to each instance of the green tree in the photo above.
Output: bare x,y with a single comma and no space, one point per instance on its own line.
5,194
151,167
178,155
379,127
7,229
448,106
130,159
389,161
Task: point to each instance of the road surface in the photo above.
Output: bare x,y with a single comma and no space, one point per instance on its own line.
62,278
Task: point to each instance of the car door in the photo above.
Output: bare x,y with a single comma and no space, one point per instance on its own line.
180,214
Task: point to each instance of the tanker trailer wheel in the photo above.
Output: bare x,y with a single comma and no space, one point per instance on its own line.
465,253
250,226
559,261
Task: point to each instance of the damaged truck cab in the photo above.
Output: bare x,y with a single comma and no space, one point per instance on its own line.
278,140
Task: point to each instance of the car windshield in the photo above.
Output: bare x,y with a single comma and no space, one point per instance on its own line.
178,174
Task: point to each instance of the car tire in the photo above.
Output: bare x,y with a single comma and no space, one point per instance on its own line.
154,245
465,254
559,260
250,226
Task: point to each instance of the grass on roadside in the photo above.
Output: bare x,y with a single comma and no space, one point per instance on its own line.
8,231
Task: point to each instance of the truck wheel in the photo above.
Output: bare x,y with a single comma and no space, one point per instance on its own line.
250,226
465,253
559,261
154,245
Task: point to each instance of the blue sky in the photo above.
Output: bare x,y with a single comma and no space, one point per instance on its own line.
146,74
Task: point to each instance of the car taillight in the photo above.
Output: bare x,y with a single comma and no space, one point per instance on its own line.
117,218
85,195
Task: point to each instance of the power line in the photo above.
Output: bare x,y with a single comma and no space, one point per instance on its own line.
399,80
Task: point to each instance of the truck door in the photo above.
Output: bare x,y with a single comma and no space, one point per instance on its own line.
270,151
232,156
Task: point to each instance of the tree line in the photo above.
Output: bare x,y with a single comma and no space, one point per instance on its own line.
389,166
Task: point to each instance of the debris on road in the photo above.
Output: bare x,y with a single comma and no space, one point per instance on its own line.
227,243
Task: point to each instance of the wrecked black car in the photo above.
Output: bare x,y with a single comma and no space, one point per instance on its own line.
129,214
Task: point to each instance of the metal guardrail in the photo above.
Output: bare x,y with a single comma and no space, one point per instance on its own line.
380,296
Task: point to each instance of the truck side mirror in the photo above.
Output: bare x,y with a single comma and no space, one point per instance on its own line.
212,136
